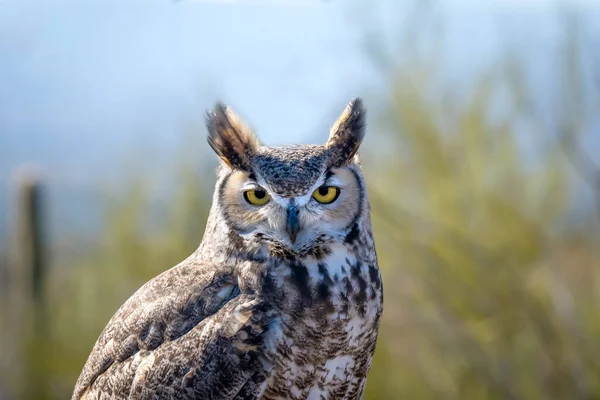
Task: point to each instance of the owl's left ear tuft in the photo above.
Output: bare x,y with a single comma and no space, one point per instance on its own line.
346,134
232,140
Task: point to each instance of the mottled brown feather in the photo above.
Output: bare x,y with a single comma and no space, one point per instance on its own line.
232,139
346,134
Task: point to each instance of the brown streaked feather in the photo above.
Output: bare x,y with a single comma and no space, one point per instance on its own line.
346,134
215,360
164,309
230,137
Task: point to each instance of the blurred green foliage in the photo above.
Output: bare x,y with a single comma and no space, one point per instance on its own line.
489,294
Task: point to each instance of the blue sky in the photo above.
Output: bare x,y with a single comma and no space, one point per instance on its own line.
82,81
95,78
86,84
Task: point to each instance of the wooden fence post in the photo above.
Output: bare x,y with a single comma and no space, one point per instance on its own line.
28,265
25,310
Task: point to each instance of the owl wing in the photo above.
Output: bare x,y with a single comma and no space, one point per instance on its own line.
186,332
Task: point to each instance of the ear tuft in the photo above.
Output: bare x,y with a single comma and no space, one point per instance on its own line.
230,137
346,134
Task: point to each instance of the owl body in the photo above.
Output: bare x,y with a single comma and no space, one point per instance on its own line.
282,300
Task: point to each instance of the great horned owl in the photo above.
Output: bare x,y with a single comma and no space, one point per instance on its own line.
283,297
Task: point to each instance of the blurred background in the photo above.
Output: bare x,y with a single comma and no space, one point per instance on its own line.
482,157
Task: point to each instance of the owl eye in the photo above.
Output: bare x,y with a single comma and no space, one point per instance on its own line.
256,197
326,194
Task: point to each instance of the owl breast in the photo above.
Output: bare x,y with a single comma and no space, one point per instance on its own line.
323,338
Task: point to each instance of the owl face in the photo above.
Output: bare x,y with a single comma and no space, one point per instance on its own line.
294,196
327,207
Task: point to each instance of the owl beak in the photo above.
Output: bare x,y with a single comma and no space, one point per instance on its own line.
293,225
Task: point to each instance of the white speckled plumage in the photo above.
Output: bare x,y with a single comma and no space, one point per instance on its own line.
280,301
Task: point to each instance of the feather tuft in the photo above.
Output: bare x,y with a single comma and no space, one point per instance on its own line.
346,134
230,138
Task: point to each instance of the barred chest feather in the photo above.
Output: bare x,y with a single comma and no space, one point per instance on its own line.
322,338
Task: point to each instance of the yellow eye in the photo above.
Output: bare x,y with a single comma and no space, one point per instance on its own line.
326,194
256,197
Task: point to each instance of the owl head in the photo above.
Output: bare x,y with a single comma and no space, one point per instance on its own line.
296,196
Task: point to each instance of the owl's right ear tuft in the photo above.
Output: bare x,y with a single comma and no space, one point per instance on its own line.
232,140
